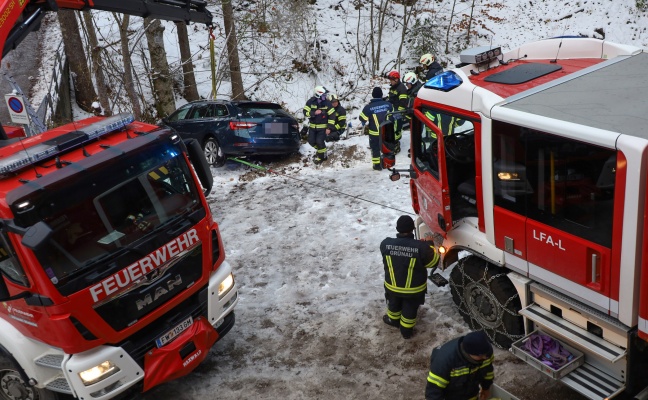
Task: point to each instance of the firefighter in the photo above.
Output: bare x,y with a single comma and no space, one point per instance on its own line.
431,65
398,97
446,123
319,111
461,369
339,119
413,86
375,114
406,261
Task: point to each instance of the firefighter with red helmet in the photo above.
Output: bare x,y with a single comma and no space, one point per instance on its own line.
406,261
320,114
461,369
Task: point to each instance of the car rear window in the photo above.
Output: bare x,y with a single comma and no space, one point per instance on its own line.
263,110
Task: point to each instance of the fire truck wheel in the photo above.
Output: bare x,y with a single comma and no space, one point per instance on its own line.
487,300
13,387
213,152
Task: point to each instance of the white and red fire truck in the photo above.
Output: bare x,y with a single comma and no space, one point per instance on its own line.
113,270
529,169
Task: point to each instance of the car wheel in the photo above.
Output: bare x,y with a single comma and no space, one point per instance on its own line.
487,300
13,387
213,153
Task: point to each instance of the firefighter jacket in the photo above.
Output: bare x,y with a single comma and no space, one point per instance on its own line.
375,114
398,96
406,261
339,118
434,69
412,92
446,123
324,120
454,375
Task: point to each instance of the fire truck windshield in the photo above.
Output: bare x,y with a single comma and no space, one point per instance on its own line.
109,211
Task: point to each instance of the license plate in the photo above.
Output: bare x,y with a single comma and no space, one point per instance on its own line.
173,333
277,128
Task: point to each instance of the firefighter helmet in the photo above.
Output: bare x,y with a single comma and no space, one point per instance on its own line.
427,59
410,78
393,74
320,91
333,97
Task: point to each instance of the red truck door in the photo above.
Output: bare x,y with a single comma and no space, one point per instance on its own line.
554,204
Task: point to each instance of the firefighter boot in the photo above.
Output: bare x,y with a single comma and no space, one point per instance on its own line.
391,322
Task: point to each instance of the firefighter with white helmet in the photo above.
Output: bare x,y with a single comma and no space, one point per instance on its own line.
413,85
433,67
399,99
320,114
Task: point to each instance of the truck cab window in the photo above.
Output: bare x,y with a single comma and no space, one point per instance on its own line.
9,264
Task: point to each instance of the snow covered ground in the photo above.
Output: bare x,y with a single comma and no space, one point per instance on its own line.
304,244
303,240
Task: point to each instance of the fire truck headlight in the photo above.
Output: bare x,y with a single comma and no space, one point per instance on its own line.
225,286
98,373
508,176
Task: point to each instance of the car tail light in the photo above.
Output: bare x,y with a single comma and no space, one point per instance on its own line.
234,125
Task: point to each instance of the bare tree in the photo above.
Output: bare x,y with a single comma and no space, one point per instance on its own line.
238,92
83,87
190,90
129,83
97,66
161,76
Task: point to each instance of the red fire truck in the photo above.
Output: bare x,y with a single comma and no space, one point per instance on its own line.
528,168
113,270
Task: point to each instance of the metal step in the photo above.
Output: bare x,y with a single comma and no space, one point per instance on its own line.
59,384
554,325
593,383
50,361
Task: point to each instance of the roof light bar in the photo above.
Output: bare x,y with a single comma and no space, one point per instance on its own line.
480,55
51,148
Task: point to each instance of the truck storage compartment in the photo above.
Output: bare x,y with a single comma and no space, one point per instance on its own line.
550,359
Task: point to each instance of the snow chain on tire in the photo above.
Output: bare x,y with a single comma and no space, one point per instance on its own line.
493,327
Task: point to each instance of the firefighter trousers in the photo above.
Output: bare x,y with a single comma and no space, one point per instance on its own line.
404,309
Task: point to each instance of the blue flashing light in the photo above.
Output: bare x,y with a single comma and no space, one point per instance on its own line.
445,82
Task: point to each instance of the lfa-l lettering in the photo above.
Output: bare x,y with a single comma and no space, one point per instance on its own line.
543,237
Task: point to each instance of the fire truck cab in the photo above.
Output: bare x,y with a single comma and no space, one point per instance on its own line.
112,269
529,169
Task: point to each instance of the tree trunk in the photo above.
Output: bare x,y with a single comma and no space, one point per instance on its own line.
162,82
238,92
447,46
129,83
188,78
97,66
83,88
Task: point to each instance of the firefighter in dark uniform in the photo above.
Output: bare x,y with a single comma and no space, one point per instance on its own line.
339,118
375,114
431,65
461,369
319,112
406,261
446,123
399,99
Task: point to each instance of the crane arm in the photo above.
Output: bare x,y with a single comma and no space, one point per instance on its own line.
20,17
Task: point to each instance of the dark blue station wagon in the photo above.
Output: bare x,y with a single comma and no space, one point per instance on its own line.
236,128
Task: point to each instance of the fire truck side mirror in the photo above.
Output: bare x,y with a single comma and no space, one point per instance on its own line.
37,235
197,157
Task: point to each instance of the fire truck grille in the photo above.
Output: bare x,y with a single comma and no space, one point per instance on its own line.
127,309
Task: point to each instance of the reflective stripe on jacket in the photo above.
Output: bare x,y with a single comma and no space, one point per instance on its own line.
375,114
325,119
406,261
453,376
398,96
